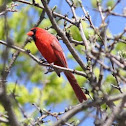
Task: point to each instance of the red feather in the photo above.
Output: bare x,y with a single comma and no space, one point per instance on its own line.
50,48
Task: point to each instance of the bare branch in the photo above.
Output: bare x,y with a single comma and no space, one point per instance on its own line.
62,35
86,105
41,62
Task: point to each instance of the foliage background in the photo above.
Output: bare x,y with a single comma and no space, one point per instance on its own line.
27,79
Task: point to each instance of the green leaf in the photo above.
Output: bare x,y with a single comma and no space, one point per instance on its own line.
110,3
45,23
96,71
94,3
36,77
32,47
75,33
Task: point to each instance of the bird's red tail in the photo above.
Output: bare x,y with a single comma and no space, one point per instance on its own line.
78,91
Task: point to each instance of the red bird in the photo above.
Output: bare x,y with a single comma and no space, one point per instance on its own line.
50,48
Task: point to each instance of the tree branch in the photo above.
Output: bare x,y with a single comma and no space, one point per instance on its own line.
41,62
62,35
86,105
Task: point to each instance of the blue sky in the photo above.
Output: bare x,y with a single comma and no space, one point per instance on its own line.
116,25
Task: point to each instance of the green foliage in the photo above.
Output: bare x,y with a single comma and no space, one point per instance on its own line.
33,85
96,71
45,23
75,33
120,46
108,32
1,29
18,25
119,49
38,1
81,80
77,2
54,91
94,3
22,93
1,2
37,77
122,72
1,108
110,3
32,47
23,96
107,84
110,79
122,54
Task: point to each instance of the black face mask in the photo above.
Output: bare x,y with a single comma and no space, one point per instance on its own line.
33,36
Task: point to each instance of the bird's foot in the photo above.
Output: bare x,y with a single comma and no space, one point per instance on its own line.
50,69
43,60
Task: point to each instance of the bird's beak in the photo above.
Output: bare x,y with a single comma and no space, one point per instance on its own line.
30,33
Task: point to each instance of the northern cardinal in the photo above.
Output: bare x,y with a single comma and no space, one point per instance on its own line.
50,48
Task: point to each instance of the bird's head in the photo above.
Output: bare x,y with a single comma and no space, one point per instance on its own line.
36,32
32,33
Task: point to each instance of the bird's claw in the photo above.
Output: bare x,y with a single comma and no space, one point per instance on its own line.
28,51
49,70
43,60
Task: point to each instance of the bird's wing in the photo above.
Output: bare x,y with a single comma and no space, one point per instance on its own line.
59,53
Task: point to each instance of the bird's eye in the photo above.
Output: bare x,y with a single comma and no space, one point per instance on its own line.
34,31
34,34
